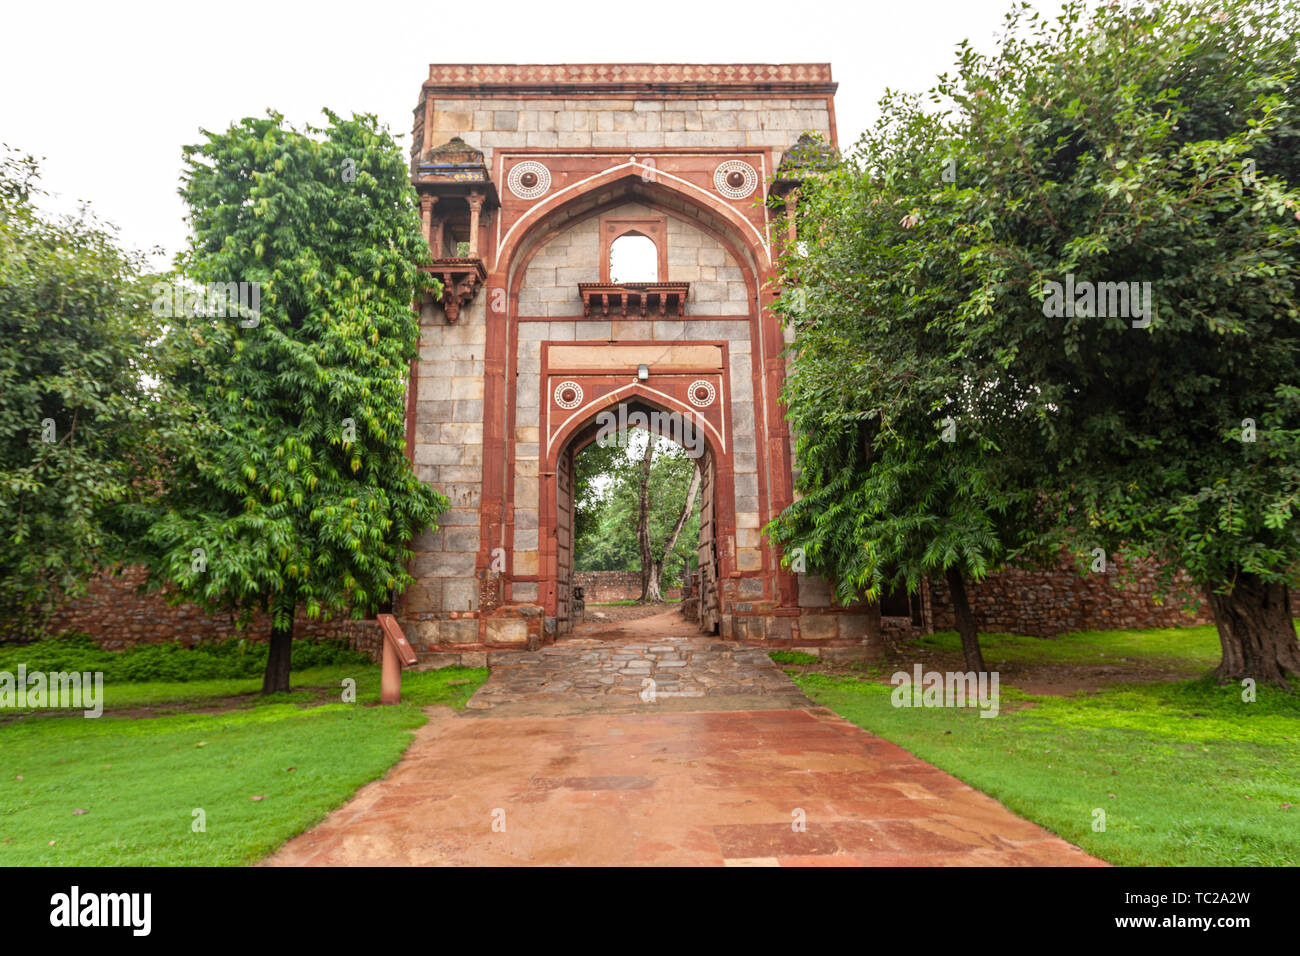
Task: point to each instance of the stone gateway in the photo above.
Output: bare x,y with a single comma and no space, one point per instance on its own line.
529,178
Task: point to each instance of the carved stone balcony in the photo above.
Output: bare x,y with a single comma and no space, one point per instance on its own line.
640,299
461,279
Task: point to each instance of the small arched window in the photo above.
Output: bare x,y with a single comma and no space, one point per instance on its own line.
633,258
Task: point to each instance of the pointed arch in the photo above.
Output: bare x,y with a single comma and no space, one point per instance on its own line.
624,183
633,393
556,541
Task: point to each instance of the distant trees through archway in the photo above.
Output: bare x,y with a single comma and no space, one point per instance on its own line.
637,508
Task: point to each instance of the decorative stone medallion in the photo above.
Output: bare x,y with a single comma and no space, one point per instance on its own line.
735,179
701,393
568,394
529,179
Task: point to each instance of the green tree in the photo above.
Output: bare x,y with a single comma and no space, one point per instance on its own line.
897,482
594,467
653,550
610,519
1149,145
299,494
78,419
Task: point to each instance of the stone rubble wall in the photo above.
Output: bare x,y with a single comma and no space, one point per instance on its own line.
1015,601
1048,603
604,587
116,615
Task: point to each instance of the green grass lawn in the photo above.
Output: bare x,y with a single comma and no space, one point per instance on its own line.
139,779
1181,648
1186,772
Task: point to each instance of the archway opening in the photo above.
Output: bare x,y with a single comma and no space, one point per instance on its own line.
636,526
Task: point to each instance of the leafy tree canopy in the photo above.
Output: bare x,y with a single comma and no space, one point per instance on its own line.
1083,254
79,417
299,493
606,536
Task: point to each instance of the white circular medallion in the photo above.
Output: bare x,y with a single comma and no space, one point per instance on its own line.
735,179
529,179
568,394
701,393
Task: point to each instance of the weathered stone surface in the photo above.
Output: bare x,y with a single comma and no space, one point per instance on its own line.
460,594
577,671
1047,603
813,591
507,631
779,629
437,661
819,627
853,627
460,631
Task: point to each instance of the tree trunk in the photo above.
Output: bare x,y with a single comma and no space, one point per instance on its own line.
970,640
652,581
652,590
643,518
875,639
1256,631
691,492
276,678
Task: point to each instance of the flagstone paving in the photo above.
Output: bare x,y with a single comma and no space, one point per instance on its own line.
566,760
582,676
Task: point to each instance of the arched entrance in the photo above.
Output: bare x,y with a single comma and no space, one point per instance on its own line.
689,347
621,411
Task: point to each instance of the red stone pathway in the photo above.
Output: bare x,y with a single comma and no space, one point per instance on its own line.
669,788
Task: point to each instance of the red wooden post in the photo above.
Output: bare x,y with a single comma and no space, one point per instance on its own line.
397,652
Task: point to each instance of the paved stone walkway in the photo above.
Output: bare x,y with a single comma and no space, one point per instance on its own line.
583,676
562,762
701,788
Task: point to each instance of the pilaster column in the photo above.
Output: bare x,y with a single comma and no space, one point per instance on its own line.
475,209
426,219
435,238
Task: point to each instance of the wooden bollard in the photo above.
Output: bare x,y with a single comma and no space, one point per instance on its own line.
397,652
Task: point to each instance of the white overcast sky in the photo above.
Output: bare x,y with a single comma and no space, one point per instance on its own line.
108,93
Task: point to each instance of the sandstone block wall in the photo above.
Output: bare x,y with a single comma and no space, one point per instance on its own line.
441,607
717,309
550,285
490,124
563,117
